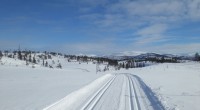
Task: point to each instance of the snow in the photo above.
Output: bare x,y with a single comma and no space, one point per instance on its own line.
70,101
122,91
22,87
12,62
26,88
177,85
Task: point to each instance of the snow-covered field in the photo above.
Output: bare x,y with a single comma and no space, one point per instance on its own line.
177,85
112,92
25,88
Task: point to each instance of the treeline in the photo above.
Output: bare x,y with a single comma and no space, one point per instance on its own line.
109,62
132,64
99,60
163,60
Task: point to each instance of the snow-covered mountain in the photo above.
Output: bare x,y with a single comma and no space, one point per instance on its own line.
138,55
128,53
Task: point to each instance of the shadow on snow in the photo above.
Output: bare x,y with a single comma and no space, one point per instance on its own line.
155,103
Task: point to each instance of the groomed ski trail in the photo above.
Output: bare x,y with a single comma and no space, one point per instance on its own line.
123,91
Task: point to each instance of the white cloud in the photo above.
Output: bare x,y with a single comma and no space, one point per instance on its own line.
151,34
149,19
131,13
153,30
175,48
194,9
152,8
152,19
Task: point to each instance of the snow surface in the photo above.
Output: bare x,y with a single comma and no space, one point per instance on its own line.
120,92
25,88
177,85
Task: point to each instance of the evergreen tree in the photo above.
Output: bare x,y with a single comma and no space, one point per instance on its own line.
30,60
45,57
19,55
34,61
25,58
127,66
197,57
6,53
1,55
162,59
43,62
46,64
59,66
49,56
123,66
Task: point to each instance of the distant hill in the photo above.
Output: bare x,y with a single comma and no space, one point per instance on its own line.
143,55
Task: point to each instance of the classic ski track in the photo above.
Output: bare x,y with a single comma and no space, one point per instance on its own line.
141,92
149,100
90,104
134,95
134,102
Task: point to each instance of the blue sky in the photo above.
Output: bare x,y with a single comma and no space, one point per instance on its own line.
101,26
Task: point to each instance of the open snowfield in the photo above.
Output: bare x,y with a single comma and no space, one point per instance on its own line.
177,85
156,87
27,88
76,86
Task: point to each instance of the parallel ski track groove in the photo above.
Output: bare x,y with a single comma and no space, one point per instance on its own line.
136,96
130,95
91,103
134,102
139,86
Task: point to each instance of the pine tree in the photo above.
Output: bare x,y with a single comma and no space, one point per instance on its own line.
46,64
19,55
1,55
43,62
59,66
123,66
30,60
34,61
127,66
197,57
